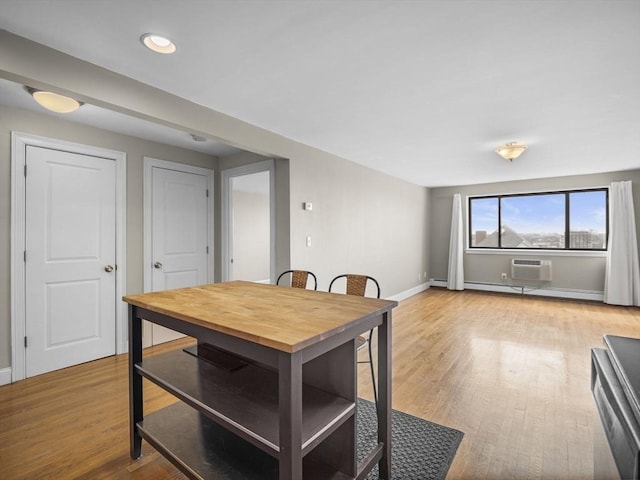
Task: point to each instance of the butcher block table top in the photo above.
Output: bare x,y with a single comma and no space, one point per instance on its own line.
283,318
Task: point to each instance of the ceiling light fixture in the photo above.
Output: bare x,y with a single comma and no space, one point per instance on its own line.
511,150
54,101
157,43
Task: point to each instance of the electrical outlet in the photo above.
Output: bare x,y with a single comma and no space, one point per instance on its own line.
503,276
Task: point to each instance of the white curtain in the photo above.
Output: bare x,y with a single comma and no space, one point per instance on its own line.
456,244
622,278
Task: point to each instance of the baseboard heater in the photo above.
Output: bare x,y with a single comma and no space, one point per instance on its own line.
530,269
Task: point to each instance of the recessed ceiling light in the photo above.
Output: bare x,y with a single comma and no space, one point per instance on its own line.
54,101
157,43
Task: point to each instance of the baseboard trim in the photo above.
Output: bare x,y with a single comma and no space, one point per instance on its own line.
409,293
5,376
536,291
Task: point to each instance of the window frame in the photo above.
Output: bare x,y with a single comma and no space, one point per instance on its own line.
567,221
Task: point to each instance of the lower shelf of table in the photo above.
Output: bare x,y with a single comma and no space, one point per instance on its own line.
245,401
202,449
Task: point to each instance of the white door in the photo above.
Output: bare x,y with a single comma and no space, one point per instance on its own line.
70,282
179,229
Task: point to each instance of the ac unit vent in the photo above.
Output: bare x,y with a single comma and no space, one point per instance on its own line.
525,269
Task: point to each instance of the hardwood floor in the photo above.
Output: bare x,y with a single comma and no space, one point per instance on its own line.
511,372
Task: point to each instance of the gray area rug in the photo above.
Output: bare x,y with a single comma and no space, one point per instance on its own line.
420,450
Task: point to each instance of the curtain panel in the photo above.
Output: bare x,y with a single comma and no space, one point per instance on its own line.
455,280
622,277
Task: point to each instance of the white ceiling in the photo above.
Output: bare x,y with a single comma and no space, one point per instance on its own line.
421,90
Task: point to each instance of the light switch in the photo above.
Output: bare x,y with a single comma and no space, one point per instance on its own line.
308,206
308,241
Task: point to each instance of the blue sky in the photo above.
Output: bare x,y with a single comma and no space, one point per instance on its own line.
542,213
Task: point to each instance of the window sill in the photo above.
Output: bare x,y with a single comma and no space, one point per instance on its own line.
535,252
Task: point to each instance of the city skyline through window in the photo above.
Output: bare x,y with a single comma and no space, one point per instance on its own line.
540,220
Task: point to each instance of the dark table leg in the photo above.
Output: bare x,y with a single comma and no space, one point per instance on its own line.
135,382
384,394
290,393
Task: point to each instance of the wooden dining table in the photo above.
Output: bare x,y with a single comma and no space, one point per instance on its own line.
271,389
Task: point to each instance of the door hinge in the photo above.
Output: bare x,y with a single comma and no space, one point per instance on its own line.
207,249
24,256
207,193
25,170
25,342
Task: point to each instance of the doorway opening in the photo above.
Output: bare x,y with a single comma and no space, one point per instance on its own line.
248,223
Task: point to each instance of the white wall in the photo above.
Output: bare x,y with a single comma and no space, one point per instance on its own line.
252,236
362,221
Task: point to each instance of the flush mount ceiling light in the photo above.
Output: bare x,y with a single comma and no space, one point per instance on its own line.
54,101
511,150
157,43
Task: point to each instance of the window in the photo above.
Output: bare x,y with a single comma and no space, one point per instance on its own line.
568,220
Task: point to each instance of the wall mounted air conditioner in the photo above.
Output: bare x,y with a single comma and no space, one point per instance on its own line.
524,269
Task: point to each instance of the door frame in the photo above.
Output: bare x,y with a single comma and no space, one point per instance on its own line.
149,164
227,205
19,143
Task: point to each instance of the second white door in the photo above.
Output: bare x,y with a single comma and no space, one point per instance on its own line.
179,230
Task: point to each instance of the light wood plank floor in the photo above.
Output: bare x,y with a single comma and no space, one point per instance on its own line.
511,372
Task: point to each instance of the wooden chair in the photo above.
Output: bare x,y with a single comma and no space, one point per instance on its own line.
357,285
299,278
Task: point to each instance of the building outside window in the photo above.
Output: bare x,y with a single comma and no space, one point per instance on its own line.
565,220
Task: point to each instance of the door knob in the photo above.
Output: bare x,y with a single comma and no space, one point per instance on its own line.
157,265
108,268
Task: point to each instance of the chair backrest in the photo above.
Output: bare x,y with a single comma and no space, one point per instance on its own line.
299,278
356,284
